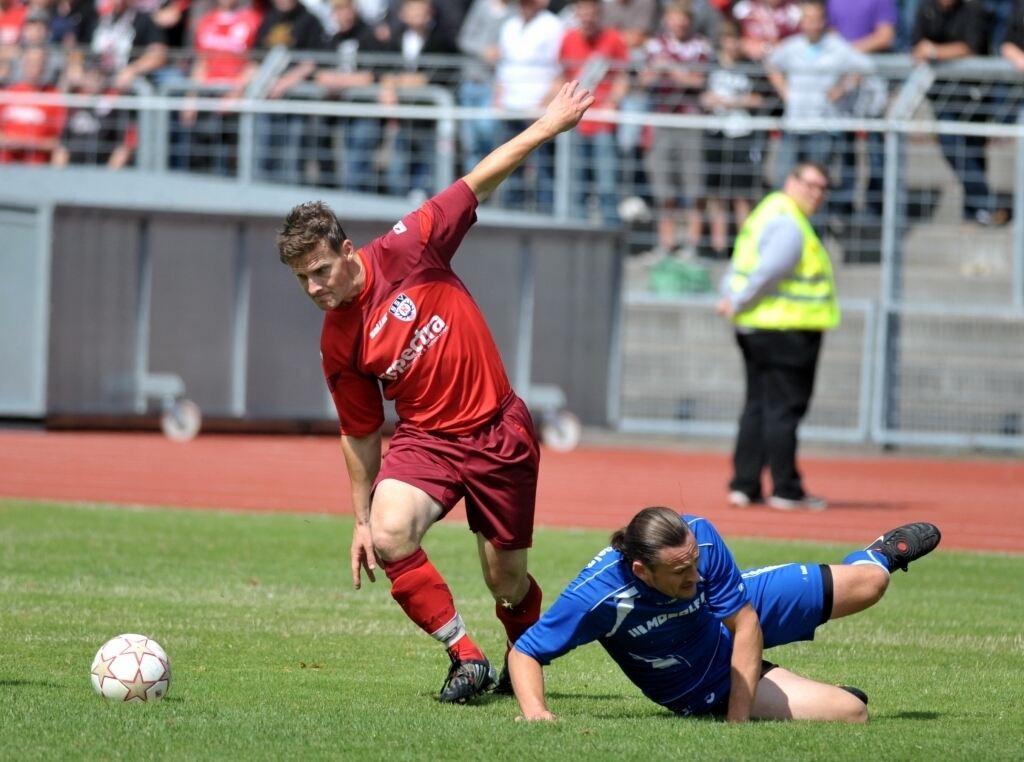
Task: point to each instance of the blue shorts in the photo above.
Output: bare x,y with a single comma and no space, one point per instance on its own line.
791,600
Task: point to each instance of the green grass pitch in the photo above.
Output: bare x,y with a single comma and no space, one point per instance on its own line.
276,657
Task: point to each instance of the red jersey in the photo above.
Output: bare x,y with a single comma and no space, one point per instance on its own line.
28,124
224,38
584,58
694,52
11,21
761,21
414,332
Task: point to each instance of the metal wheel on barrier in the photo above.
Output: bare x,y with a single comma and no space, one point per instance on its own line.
181,419
560,430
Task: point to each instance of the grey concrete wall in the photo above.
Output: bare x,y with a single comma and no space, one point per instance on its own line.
194,258
24,300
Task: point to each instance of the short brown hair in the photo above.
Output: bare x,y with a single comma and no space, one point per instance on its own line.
679,6
800,166
648,533
306,227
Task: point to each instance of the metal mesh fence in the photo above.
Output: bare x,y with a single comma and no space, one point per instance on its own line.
926,175
956,375
681,370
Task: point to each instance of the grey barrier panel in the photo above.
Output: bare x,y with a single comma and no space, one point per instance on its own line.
954,377
24,309
92,328
682,372
215,283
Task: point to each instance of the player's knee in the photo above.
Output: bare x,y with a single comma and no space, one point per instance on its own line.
392,543
875,582
854,711
508,586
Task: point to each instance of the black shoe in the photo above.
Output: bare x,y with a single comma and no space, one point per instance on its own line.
466,680
856,692
504,685
907,543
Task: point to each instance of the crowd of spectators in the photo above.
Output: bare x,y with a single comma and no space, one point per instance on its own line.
801,59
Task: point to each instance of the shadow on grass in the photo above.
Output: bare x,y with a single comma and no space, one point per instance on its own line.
868,505
588,696
27,684
916,716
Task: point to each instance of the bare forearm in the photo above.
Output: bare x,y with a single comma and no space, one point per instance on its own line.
152,59
879,41
951,51
339,80
362,459
745,668
500,163
528,682
486,176
562,113
778,81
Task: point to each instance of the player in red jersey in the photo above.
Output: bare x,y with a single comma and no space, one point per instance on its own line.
400,323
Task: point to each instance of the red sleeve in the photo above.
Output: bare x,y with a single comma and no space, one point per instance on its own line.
356,395
131,137
621,49
444,221
57,116
358,402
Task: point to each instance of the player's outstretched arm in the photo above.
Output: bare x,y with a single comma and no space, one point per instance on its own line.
563,113
528,683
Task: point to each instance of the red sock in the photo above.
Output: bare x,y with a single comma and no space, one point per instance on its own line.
421,591
517,619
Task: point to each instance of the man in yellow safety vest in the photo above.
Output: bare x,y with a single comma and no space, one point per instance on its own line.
780,295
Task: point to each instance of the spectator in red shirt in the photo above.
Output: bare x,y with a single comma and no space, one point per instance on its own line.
222,41
29,131
12,19
597,56
764,24
399,323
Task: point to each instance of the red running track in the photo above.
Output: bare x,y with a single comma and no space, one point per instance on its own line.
976,503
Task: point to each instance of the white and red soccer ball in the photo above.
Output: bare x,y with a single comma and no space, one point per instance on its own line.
131,668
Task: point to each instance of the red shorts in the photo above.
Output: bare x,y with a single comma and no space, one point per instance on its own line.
494,469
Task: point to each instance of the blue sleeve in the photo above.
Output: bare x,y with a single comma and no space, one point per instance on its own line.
570,622
724,589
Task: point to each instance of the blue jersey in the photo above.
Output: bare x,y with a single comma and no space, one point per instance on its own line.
676,651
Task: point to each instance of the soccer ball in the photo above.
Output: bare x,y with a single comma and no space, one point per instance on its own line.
131,668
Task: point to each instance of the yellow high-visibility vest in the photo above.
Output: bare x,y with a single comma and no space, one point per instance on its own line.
806,298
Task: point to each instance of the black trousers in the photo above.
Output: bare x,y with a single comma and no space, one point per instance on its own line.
780,370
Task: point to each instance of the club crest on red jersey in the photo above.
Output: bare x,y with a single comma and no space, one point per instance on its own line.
403,308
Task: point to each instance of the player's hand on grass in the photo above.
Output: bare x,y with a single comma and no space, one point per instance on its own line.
363,556
540,716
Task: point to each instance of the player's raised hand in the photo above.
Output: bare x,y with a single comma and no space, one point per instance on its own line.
567,107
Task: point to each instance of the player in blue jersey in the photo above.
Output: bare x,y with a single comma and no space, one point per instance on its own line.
687,627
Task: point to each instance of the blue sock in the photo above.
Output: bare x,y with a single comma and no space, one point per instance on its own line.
867,557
